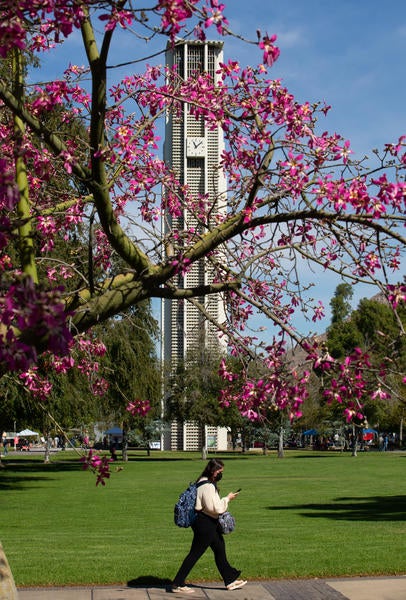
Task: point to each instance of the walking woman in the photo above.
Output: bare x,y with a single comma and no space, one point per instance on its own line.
207,534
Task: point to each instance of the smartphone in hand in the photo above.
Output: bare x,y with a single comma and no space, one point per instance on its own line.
238,491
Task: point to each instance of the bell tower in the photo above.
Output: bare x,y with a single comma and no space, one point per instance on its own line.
194,152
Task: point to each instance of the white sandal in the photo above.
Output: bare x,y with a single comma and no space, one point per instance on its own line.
236,585
182,589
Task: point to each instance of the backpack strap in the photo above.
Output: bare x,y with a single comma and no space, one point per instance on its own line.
202,483
198,485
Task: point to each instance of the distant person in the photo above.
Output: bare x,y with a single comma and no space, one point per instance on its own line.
113,452
206,531
5,444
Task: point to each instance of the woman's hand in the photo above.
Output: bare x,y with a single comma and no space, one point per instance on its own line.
232,495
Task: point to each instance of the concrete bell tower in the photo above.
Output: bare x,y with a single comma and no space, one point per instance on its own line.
194,152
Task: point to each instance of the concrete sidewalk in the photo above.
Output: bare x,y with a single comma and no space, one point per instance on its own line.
355,588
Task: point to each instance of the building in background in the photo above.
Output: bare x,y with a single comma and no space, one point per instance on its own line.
194,153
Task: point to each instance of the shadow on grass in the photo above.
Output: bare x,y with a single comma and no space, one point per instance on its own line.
153,458
374,508
323,455
22,473
148,581
27,465
132,458
22,483
338,453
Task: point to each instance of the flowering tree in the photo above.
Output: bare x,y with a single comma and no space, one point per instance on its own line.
295,197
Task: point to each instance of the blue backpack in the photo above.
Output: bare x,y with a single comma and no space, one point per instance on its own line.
184,512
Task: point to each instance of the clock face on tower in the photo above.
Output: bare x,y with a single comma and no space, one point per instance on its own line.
195,146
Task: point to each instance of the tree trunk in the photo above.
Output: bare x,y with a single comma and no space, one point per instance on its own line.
280,445
354,442
47,449
124,451
8,590
204,442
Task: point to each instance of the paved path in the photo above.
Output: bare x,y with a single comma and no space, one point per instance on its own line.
356,588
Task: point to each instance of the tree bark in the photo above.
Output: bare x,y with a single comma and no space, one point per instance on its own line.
47,452
125,443
204,442
8,590
280,445
354,442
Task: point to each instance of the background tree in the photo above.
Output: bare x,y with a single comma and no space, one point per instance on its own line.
341,303
374,328
381,339
343,335
131,369
193,391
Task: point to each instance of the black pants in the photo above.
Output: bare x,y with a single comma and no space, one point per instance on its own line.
206,534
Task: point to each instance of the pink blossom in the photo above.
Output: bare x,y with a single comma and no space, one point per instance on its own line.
124,18
12,34
396,294
271,52
100,465
139,407
181,264
214,15
379,394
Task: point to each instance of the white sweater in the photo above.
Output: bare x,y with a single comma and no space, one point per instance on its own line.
209,501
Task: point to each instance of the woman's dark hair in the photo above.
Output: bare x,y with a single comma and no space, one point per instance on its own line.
213,465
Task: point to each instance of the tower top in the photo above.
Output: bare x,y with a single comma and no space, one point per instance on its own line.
216,43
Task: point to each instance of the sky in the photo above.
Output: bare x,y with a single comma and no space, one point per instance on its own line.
349,53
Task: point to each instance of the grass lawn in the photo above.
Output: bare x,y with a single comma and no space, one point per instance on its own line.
307,515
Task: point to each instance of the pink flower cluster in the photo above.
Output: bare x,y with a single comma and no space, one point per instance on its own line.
348,382
38,386
175,14
33,320
397,294
57,19
139,407
271,52
83,353
100,465
280,389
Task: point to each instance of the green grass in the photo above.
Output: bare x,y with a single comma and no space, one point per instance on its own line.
307,515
